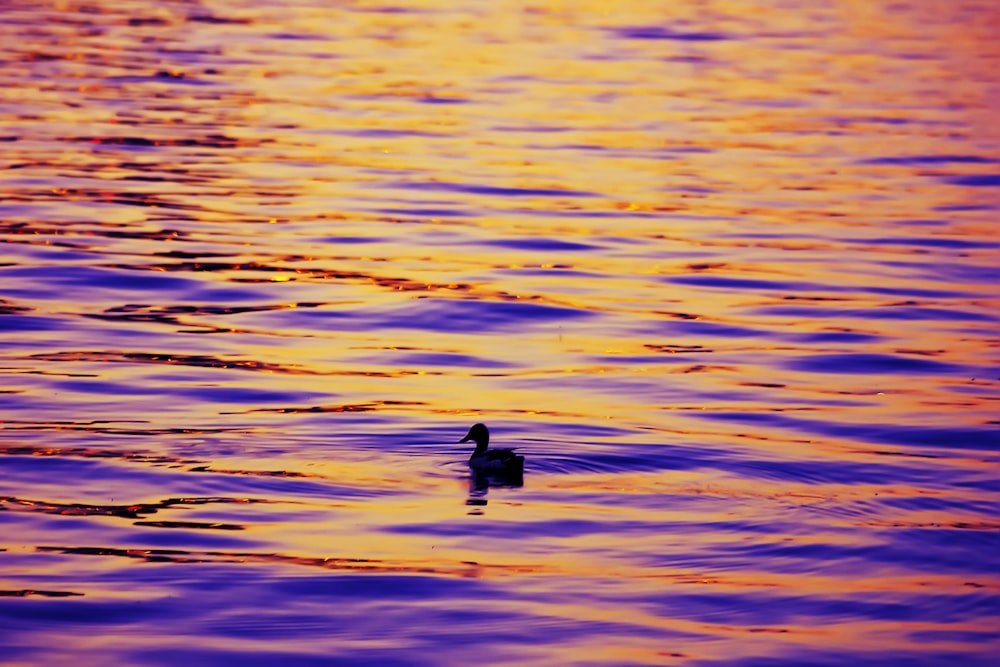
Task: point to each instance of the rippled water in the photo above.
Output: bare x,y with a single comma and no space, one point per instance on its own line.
724,272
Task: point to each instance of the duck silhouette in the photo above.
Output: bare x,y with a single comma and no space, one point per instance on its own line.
487,461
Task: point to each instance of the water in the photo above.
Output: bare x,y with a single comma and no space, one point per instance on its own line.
725,273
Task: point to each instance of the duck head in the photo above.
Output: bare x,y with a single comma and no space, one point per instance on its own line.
479,434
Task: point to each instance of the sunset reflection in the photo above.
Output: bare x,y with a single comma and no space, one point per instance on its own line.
723,273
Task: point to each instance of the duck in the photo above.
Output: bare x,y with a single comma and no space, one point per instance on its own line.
483,460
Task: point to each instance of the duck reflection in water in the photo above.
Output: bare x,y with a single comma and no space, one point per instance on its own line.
490,467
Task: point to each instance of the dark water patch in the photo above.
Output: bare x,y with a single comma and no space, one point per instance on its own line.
438,99
725,282
593,214
107,388
14,323
540,244
955,438
612,382
204,655
133,511
770,610
978,387
579,455
849,337
387,133
227,395
12,308
350,240
811,657
103,427
912,160
938,554
92,276
659,33
913,291
697,329
446,316
610,463
620,362
428,212
547,269
947,545
543,129
932,242
976,180
196,525
873,364
82,452
706,368
853,121
335,618
821,472
965,272
271,273
449,360
676,315
403,587
215,140
691,189
949,208
196,360
77,613
583,430
974,637
397,568
245,482
105,198
932,525
178,316
201,15
925,222
57,228
372,406
905,454
678,349
297,36
220,395
24,592
491,190
291,474
389,9
514,530
190,254
898,311
982,484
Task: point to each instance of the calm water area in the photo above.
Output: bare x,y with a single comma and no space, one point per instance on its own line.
724,272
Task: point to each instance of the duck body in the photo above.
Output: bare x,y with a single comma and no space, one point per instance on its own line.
485,460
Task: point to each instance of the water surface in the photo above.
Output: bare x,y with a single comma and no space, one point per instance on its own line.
725,273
